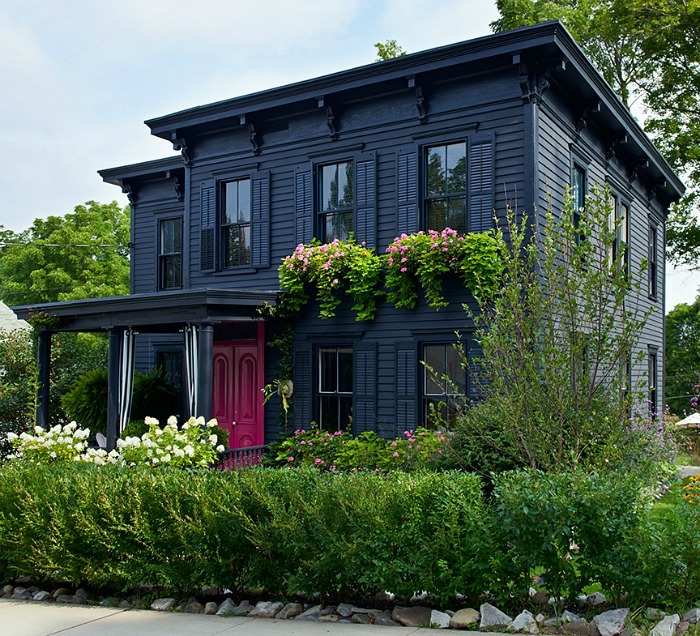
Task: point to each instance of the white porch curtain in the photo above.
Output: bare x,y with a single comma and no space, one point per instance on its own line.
191,367
126,378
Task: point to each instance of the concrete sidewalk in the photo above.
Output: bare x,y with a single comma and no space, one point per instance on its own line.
28,618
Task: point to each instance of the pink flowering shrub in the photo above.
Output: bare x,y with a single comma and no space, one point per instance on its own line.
426,258
328,270
338,451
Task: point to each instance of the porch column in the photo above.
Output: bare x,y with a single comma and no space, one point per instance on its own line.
205,374
43,378
113,373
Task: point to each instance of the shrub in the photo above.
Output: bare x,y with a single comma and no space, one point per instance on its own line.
87,401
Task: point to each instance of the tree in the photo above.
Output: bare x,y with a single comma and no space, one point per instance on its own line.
81,255
682,355
648,49
388,50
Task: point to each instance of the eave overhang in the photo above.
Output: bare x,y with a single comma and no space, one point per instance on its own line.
157,312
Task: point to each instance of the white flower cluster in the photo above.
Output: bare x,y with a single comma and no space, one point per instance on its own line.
193,444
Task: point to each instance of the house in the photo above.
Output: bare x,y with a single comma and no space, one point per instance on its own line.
9,321
523,115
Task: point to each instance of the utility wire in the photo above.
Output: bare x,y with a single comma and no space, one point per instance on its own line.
35,244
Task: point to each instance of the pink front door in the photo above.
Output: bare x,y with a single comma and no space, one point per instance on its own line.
238,399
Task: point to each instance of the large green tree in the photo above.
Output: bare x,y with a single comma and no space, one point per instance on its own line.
84,254
682,355
647,50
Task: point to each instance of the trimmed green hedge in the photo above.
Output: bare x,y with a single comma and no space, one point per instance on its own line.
345,536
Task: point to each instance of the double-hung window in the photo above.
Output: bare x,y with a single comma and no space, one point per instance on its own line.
578,194
170,253
335,387
445,193
444,383
618,224
235,223
653,380
336,201
653,264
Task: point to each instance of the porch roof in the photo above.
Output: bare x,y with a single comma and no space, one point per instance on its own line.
161,311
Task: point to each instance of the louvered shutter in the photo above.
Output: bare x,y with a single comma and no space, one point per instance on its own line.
366,198
481,183
207,232
261,219
365,388
407,189
301,400
476,377
303,204
406,386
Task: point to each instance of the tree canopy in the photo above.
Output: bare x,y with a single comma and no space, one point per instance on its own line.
388,50
648,50
682,354
82,255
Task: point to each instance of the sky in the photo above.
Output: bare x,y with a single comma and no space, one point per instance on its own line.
79,77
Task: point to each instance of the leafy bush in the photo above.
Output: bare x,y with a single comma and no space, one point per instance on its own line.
154,395
338,451
87,401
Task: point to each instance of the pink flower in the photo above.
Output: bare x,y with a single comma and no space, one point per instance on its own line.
393,443
404,269
291,459
396,454
335,281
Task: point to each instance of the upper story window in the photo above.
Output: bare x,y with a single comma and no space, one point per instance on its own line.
170,253
578,193
335,387
336,201
444,383
653,265
618,224
445,187
235,223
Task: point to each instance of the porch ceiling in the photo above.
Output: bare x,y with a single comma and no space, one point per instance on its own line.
161,311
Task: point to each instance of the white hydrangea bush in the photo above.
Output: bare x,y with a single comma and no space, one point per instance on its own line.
192,444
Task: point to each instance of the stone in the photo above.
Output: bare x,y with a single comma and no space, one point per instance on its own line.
194,607
42,595
328,618
124,605
682,628
266,609
570,617
439,619
210,591
465,618
612,622
163,604
577,628
290,610
360,619
109,601
666,626
328,610
692,616
61,591
33,589
419,598
655,614
22,594
385,620
385,597
345,610
413,616
553,622
211,608
449,612
540,618
226,608
23,580
596,599
540,597
525,622
80,597
311,614
64,598
8,589
493,617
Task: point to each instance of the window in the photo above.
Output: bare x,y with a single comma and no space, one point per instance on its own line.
618,224
653,380
652,267
335,377
171,363
235,223
336,201
444,382
170,254
445,192
578,193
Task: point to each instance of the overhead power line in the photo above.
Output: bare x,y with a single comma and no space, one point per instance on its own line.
35,244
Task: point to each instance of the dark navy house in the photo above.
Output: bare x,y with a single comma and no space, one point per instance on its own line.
525,111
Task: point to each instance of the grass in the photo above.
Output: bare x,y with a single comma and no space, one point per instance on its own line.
685,459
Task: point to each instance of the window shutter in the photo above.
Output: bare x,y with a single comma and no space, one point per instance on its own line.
481,183
366,198
207,233
406,389
303,204
301,401
365,388
477,376
407,189
261,219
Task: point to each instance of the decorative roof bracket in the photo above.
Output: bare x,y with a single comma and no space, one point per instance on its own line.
582,119
421,100
330,116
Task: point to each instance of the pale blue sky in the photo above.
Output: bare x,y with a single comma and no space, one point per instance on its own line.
79,77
